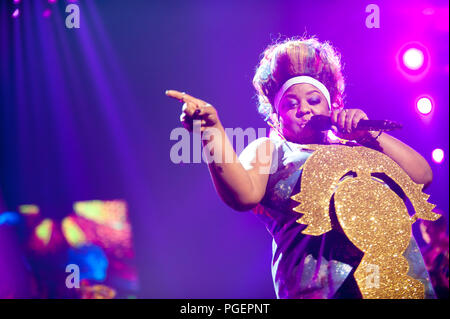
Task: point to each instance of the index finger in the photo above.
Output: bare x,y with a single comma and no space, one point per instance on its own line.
180,96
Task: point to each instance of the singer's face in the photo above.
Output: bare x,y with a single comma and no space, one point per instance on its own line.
298,104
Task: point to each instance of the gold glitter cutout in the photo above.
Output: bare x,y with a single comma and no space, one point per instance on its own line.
371,215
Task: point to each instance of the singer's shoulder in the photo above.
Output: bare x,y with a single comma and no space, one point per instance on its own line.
257,150
259,143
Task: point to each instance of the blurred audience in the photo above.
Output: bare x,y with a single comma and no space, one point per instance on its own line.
435,253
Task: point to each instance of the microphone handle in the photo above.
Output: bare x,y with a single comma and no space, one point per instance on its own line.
323,123
377,125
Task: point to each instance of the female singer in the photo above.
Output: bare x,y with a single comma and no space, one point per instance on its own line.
295,80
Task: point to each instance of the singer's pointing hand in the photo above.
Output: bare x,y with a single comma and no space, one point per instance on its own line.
195,109
345,122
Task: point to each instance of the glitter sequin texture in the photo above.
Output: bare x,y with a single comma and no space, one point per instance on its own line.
371,215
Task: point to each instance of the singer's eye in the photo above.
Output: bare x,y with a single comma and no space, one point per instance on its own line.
314,100
290,103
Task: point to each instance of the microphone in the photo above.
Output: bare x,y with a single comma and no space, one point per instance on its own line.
323,123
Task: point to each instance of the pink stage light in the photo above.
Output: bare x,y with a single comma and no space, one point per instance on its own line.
428,11
413,58
47,13
437,155
424,105
16,1
16,13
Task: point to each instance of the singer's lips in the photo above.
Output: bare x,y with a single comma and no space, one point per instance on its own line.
302,124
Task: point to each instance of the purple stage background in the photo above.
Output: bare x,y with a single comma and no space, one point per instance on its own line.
83,116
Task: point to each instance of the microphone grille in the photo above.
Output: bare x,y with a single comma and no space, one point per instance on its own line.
320,122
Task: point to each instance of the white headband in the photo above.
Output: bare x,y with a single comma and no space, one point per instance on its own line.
300,80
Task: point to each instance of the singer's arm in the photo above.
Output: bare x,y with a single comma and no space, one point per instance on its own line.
411,161
345,122
240,187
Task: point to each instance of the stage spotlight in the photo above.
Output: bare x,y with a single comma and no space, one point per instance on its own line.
47,13
428,11
437,155
413,60
424,105
16,13
16,1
